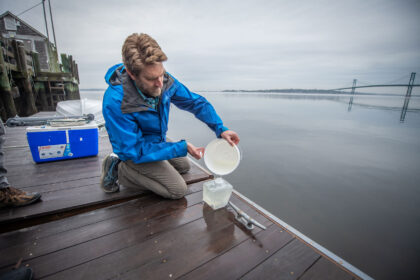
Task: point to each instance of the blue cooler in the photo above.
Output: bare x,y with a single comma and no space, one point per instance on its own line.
49,143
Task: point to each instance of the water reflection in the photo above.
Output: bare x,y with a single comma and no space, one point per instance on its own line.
404,108
350,103
215,221
290,96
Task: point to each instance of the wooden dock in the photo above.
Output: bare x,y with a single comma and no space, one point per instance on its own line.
79,232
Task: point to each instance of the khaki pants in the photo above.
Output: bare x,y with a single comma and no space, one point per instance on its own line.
161,177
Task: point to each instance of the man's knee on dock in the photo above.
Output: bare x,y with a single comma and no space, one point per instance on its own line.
182,165
179,192
162,178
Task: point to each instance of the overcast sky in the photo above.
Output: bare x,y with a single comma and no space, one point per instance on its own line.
241,44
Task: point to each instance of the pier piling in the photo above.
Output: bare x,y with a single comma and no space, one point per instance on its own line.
28,99
6,91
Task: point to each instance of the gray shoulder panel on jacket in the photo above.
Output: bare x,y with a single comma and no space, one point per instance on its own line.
132,101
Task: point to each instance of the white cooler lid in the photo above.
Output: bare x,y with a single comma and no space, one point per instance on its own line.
60,128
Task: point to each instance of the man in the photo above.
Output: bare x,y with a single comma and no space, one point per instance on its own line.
136,109
9,196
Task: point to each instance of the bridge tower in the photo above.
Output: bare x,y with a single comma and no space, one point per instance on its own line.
407,96
353,88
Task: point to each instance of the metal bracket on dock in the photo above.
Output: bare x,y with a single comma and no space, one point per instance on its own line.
244,219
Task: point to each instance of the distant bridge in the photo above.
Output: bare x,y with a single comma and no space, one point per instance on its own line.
394,85
409,86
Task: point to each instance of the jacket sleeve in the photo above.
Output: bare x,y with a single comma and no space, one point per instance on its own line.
128,141
199,106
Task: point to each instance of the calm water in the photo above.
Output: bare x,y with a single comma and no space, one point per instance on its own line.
345,176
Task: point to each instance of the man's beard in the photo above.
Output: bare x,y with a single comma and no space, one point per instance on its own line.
155,92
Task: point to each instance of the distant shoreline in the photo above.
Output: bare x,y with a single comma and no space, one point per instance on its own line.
306,91
92,89
290,90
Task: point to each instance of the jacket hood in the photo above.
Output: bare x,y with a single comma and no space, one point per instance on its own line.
113,75
132,101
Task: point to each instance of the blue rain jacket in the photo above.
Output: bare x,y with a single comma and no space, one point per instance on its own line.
138,132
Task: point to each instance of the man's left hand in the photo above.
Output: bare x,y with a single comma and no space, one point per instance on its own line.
197,153
230,136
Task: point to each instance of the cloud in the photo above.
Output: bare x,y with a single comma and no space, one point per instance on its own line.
214,45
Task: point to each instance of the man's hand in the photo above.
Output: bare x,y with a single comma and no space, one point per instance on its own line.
197,153
230,136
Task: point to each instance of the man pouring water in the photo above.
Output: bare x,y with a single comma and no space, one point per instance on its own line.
136,111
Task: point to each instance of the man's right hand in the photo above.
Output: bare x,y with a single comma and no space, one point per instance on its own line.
197,153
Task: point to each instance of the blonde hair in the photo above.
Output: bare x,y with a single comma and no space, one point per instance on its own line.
139,50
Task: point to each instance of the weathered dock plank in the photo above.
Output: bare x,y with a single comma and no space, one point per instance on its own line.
288,263
239,260
63,200
43,230
133,224
325,269
221,233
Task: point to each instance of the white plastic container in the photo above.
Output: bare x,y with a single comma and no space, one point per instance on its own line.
220,158
216,193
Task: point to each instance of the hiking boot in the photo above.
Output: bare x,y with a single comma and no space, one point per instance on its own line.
21,273
109,175
12,197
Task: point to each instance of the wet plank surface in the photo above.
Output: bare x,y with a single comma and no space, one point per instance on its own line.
66,185
154,238
141,236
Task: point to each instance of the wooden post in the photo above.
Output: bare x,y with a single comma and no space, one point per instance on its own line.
37,66
65,63
77,73
3,114
76,91
73,69
53,58
28,96
39,87
42,95
72,91
70,60
5,89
